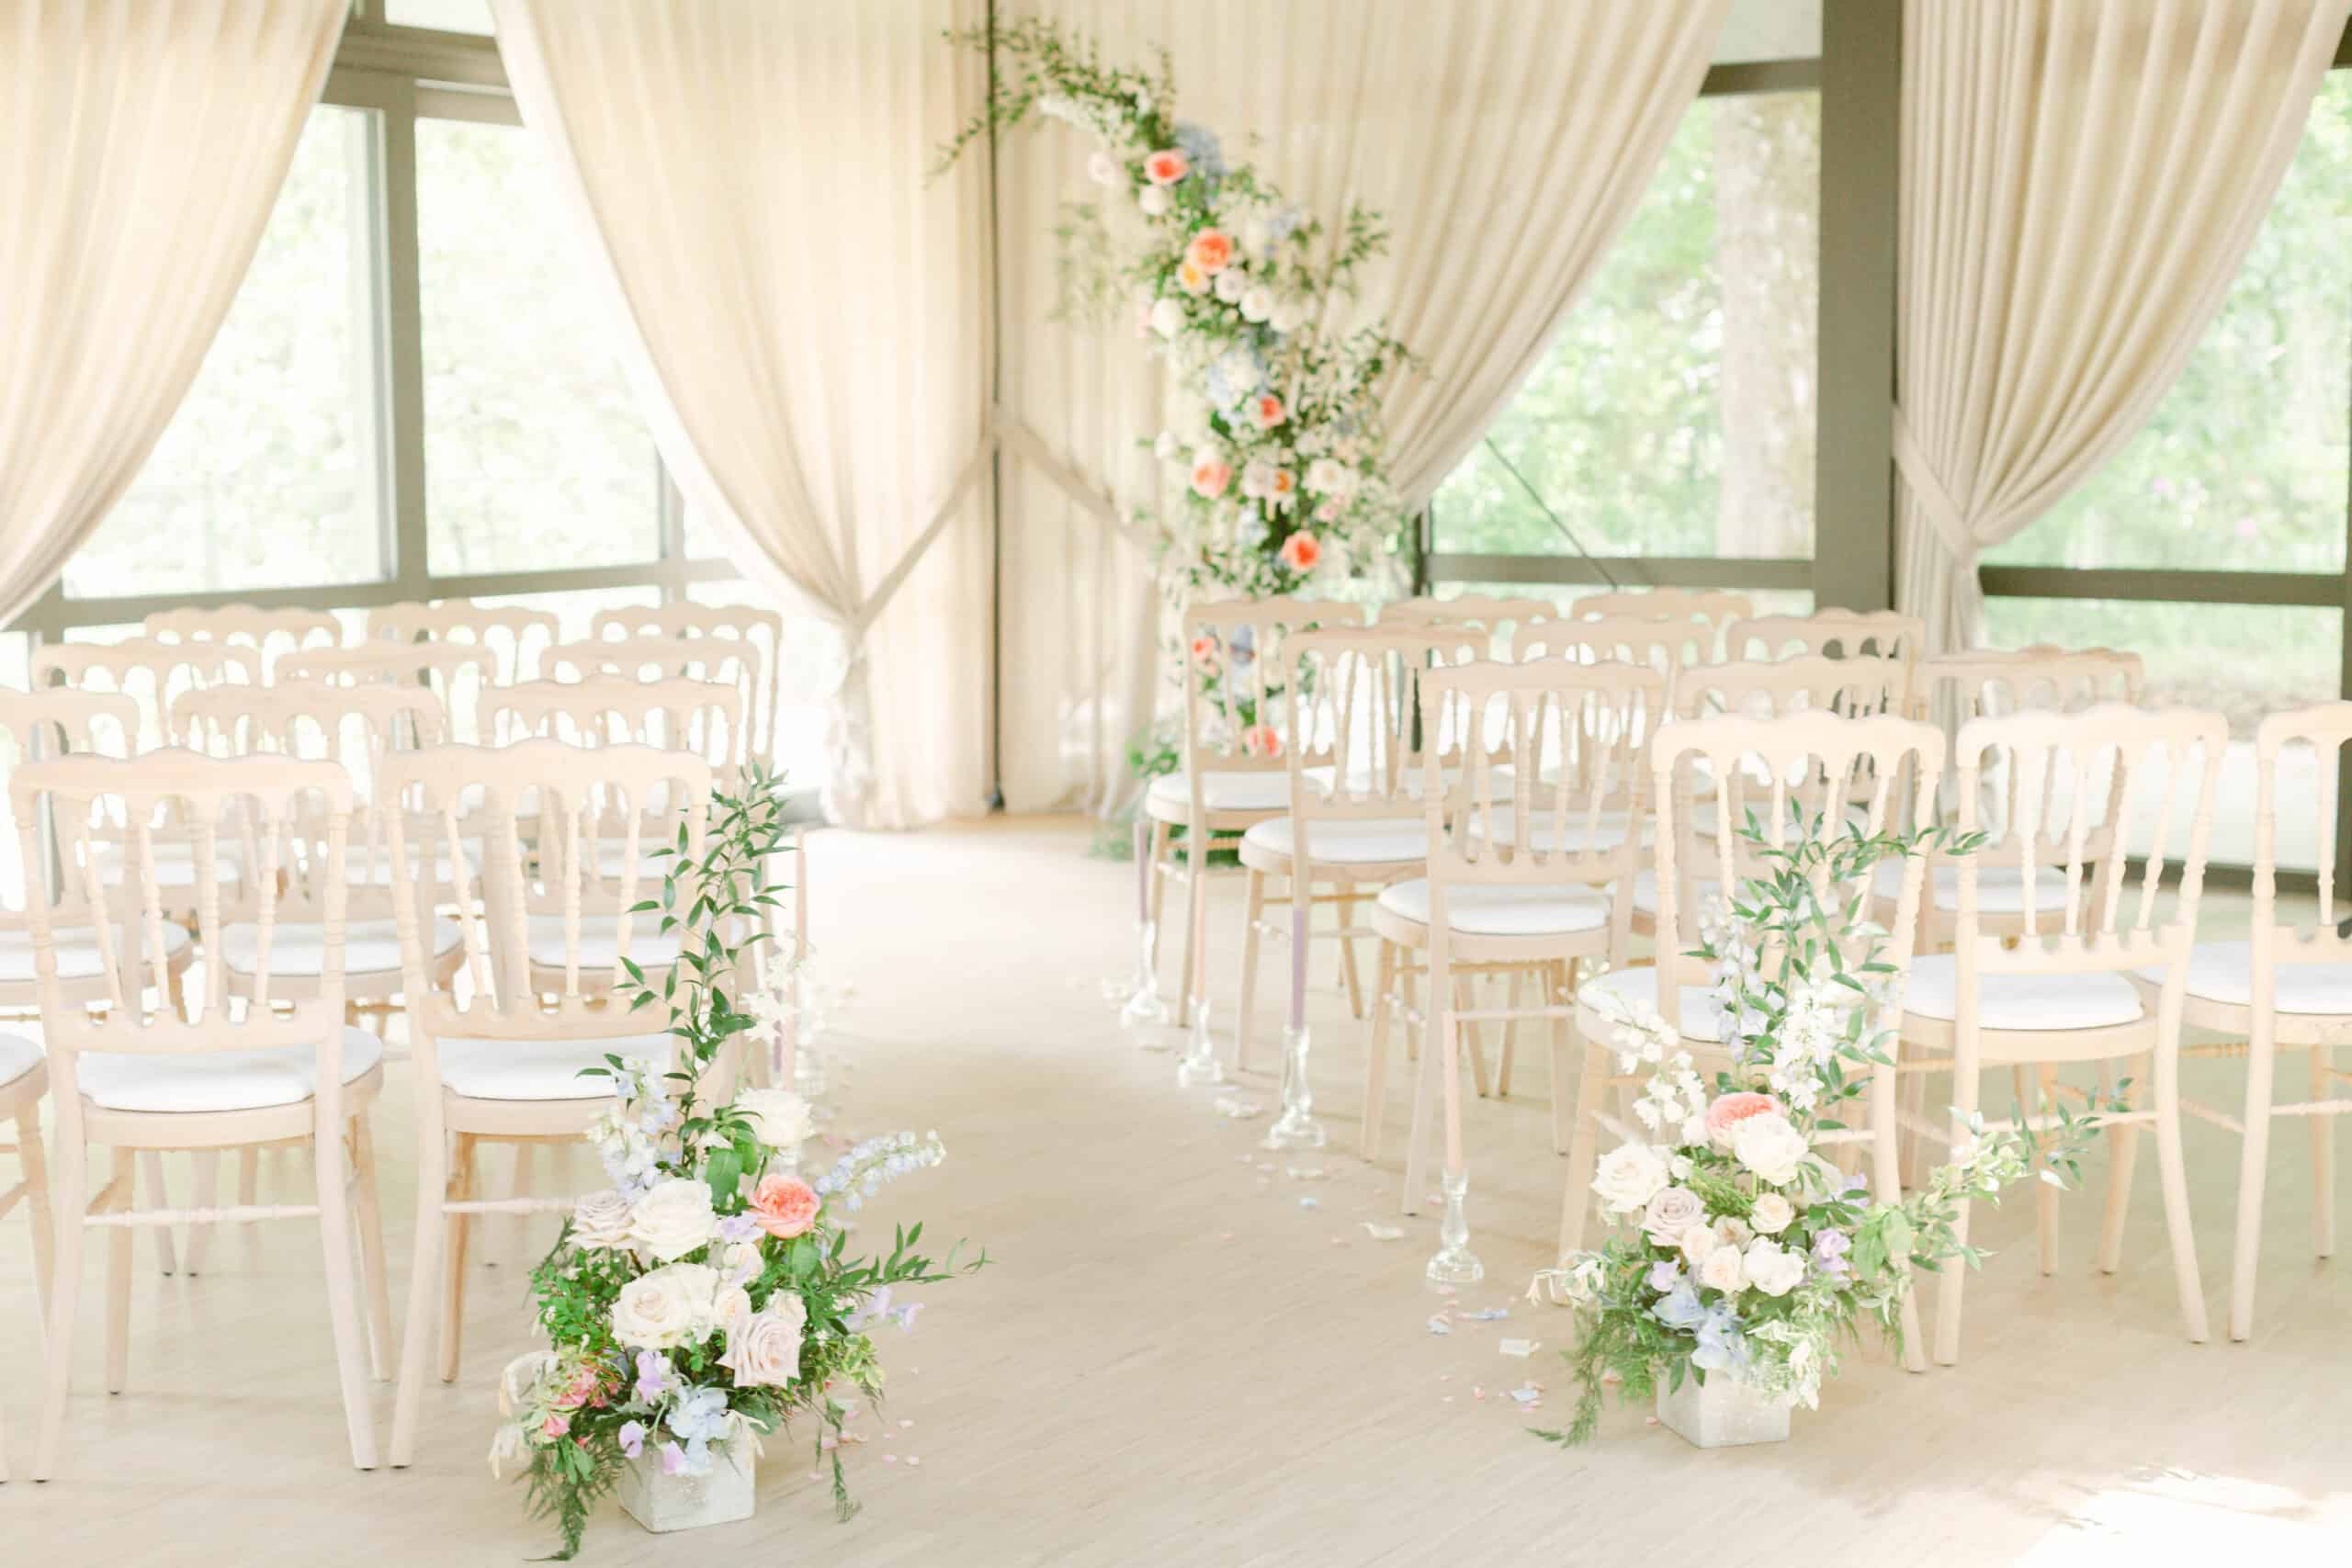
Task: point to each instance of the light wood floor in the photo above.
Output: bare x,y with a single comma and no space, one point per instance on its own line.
1184,1356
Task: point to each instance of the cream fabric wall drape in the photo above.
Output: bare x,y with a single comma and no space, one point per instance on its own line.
807,326
2080,181
142,143
1504,140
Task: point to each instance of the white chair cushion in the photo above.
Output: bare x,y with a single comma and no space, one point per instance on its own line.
537,1069
1646,897
78,954
1348,841
1171,797
1606,831
1502,909
189,1082
2223,972
648,948
19,1056
2000,889
2024,1001
369,947
1701,1015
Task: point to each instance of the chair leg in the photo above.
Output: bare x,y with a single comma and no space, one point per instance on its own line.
1465,996
462,1165
1197,916
518,1231
2323,1154
1349,972
1158,891
2174,1167
1375,1067
342,1310
2124,1149
1253,910
165,1257
2045,1196
371,1249
423,1289
249,1193
1886,1185
119,1240
1561,977
1511,1034
72,1197
1584,1142
1425,1090
2253,1164
31,1156
208,1195
1950,1287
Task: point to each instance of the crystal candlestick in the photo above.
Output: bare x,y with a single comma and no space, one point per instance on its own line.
1297,1128
1199,1065
1454,1263
1144,1010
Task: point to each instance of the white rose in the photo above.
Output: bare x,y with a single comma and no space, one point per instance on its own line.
1103,169
1231,284
779,1117
1772,1213
1772,1269
1769,1145
667,1308
601,1220
672,1219
1671,1213
1696,1243
1153,201
1287,316
1167,317
1720,1270
739,1262
1629,1175
766,1351
1732,1231
1257,302
731,1309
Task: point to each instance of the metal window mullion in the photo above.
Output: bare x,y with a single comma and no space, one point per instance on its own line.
1664,571
404,323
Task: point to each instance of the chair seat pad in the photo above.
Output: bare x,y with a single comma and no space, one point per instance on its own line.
299,947
1702,1014
1685,918
1170,798
2223,972
78,954
1502,909
649,947
189,1082
2024,1001
539,1069
1370,841
19,1056
1605,830
2000,889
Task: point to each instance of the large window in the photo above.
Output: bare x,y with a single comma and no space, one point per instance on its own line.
1674,414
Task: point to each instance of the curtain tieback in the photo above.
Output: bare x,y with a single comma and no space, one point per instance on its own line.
1943,512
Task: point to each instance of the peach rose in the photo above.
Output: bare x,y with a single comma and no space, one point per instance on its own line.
1205,649
1166,166
1301,552
783,1205
1211,251
1191,278
1210,476
1729,1109
1267,410
1259,740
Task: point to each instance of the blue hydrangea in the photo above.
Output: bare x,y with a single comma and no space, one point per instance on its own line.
1202,149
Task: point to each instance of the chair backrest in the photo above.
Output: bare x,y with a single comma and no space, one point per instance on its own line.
2077,782
705,718
38,727
269,632
268,802
154,673
572,793
516,635
1492,618
1355,735
1711,607
1847,634
1802,774
1768,688
760,631
2316,735
1988,682
1667,644
457,674
1234,694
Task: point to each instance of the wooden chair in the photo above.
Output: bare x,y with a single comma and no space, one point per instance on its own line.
24,1079
278,1071
1530,874
1498,617
2054,984
269,633
1714,609
457,674
2285,987
1839,634
513,636
760,632
504,1066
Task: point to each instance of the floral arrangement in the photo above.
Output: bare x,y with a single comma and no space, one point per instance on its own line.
707,1297
1743,1252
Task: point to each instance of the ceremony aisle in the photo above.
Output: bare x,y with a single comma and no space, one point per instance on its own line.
1185,1355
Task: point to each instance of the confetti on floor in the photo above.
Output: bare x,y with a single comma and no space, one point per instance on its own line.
1308,1203
1522,1347
1384,1233
1233,1108
1527,1394
1439,1326
1486,1315
1305,1172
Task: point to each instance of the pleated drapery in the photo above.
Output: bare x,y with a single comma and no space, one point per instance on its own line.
142,143
2081,179
806,321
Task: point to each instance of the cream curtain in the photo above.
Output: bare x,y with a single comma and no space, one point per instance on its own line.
142,143
807,326
1504,140
2080,181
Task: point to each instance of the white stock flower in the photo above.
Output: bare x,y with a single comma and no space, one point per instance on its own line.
667,1308
1670,1212
1722,1270
1772,1213
1772,1267
1629,1175
1167,317
672,1219
602,1220
1770,1145
779,1117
